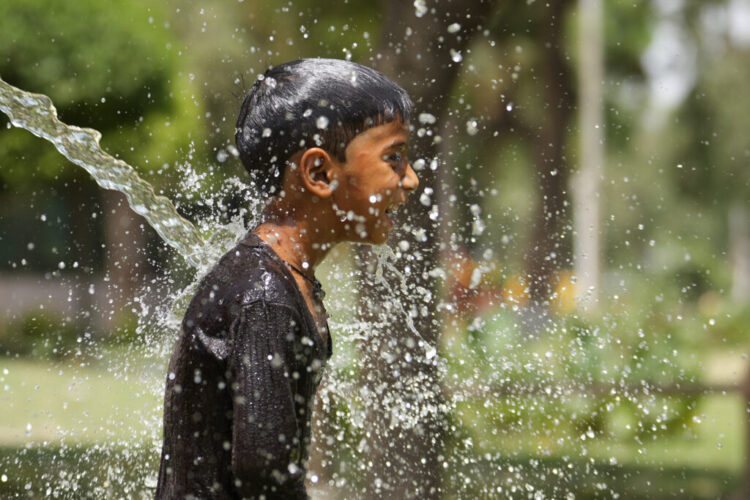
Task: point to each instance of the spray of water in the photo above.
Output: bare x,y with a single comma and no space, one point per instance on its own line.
480,361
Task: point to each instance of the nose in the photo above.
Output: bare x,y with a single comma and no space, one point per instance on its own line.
410,182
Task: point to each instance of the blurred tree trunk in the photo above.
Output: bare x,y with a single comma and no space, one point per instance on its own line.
323,449
591,122
404,456
547,249
125,265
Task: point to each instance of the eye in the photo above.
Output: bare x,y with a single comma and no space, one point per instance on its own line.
395,159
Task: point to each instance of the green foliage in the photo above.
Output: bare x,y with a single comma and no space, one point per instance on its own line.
727,144
39,335
113,69
627,33
601,376
80,52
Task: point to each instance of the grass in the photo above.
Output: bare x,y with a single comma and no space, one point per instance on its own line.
73,431
65,403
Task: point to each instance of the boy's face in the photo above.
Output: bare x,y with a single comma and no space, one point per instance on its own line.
375,180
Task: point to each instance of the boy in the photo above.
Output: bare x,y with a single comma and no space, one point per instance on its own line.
325,141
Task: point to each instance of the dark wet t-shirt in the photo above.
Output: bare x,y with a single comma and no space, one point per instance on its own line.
241,384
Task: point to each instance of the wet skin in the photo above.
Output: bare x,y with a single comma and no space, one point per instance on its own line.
324,201
375,179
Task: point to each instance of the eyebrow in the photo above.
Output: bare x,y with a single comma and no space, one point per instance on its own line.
397,144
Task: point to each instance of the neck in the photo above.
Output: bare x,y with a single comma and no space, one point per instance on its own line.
294,242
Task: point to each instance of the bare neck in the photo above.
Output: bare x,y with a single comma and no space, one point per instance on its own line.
294,242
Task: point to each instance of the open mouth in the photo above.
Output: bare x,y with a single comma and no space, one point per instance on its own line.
390,213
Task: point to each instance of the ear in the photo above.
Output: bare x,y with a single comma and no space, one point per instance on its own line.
315,170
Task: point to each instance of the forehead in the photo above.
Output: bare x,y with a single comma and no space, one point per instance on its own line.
380,136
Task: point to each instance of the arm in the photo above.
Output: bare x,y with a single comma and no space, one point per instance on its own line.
265,435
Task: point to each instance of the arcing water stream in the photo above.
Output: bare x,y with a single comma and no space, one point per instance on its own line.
37,114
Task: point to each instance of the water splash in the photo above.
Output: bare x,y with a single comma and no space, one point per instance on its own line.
505,392
37,114
386,261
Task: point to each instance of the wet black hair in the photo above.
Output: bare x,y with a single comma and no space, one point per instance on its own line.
311,103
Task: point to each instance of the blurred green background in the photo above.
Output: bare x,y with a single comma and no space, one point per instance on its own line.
635,391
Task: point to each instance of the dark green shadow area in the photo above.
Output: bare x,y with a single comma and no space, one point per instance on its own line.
78,472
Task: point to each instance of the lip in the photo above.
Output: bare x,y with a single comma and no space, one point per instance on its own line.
389,214
389,219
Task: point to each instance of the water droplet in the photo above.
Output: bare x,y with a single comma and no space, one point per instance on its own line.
420,235
266,132
454,28
420,8
322,122
427,118
434,212
456,56
276,361
472,127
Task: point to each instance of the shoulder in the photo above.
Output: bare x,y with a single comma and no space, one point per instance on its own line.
248,274
248,285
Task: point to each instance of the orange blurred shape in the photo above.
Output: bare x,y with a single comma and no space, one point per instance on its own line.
515,291
462,266
563,299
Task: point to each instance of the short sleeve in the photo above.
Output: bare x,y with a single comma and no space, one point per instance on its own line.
265,433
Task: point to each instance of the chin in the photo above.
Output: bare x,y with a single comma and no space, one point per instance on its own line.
380,241
377,240
376,237
376,233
